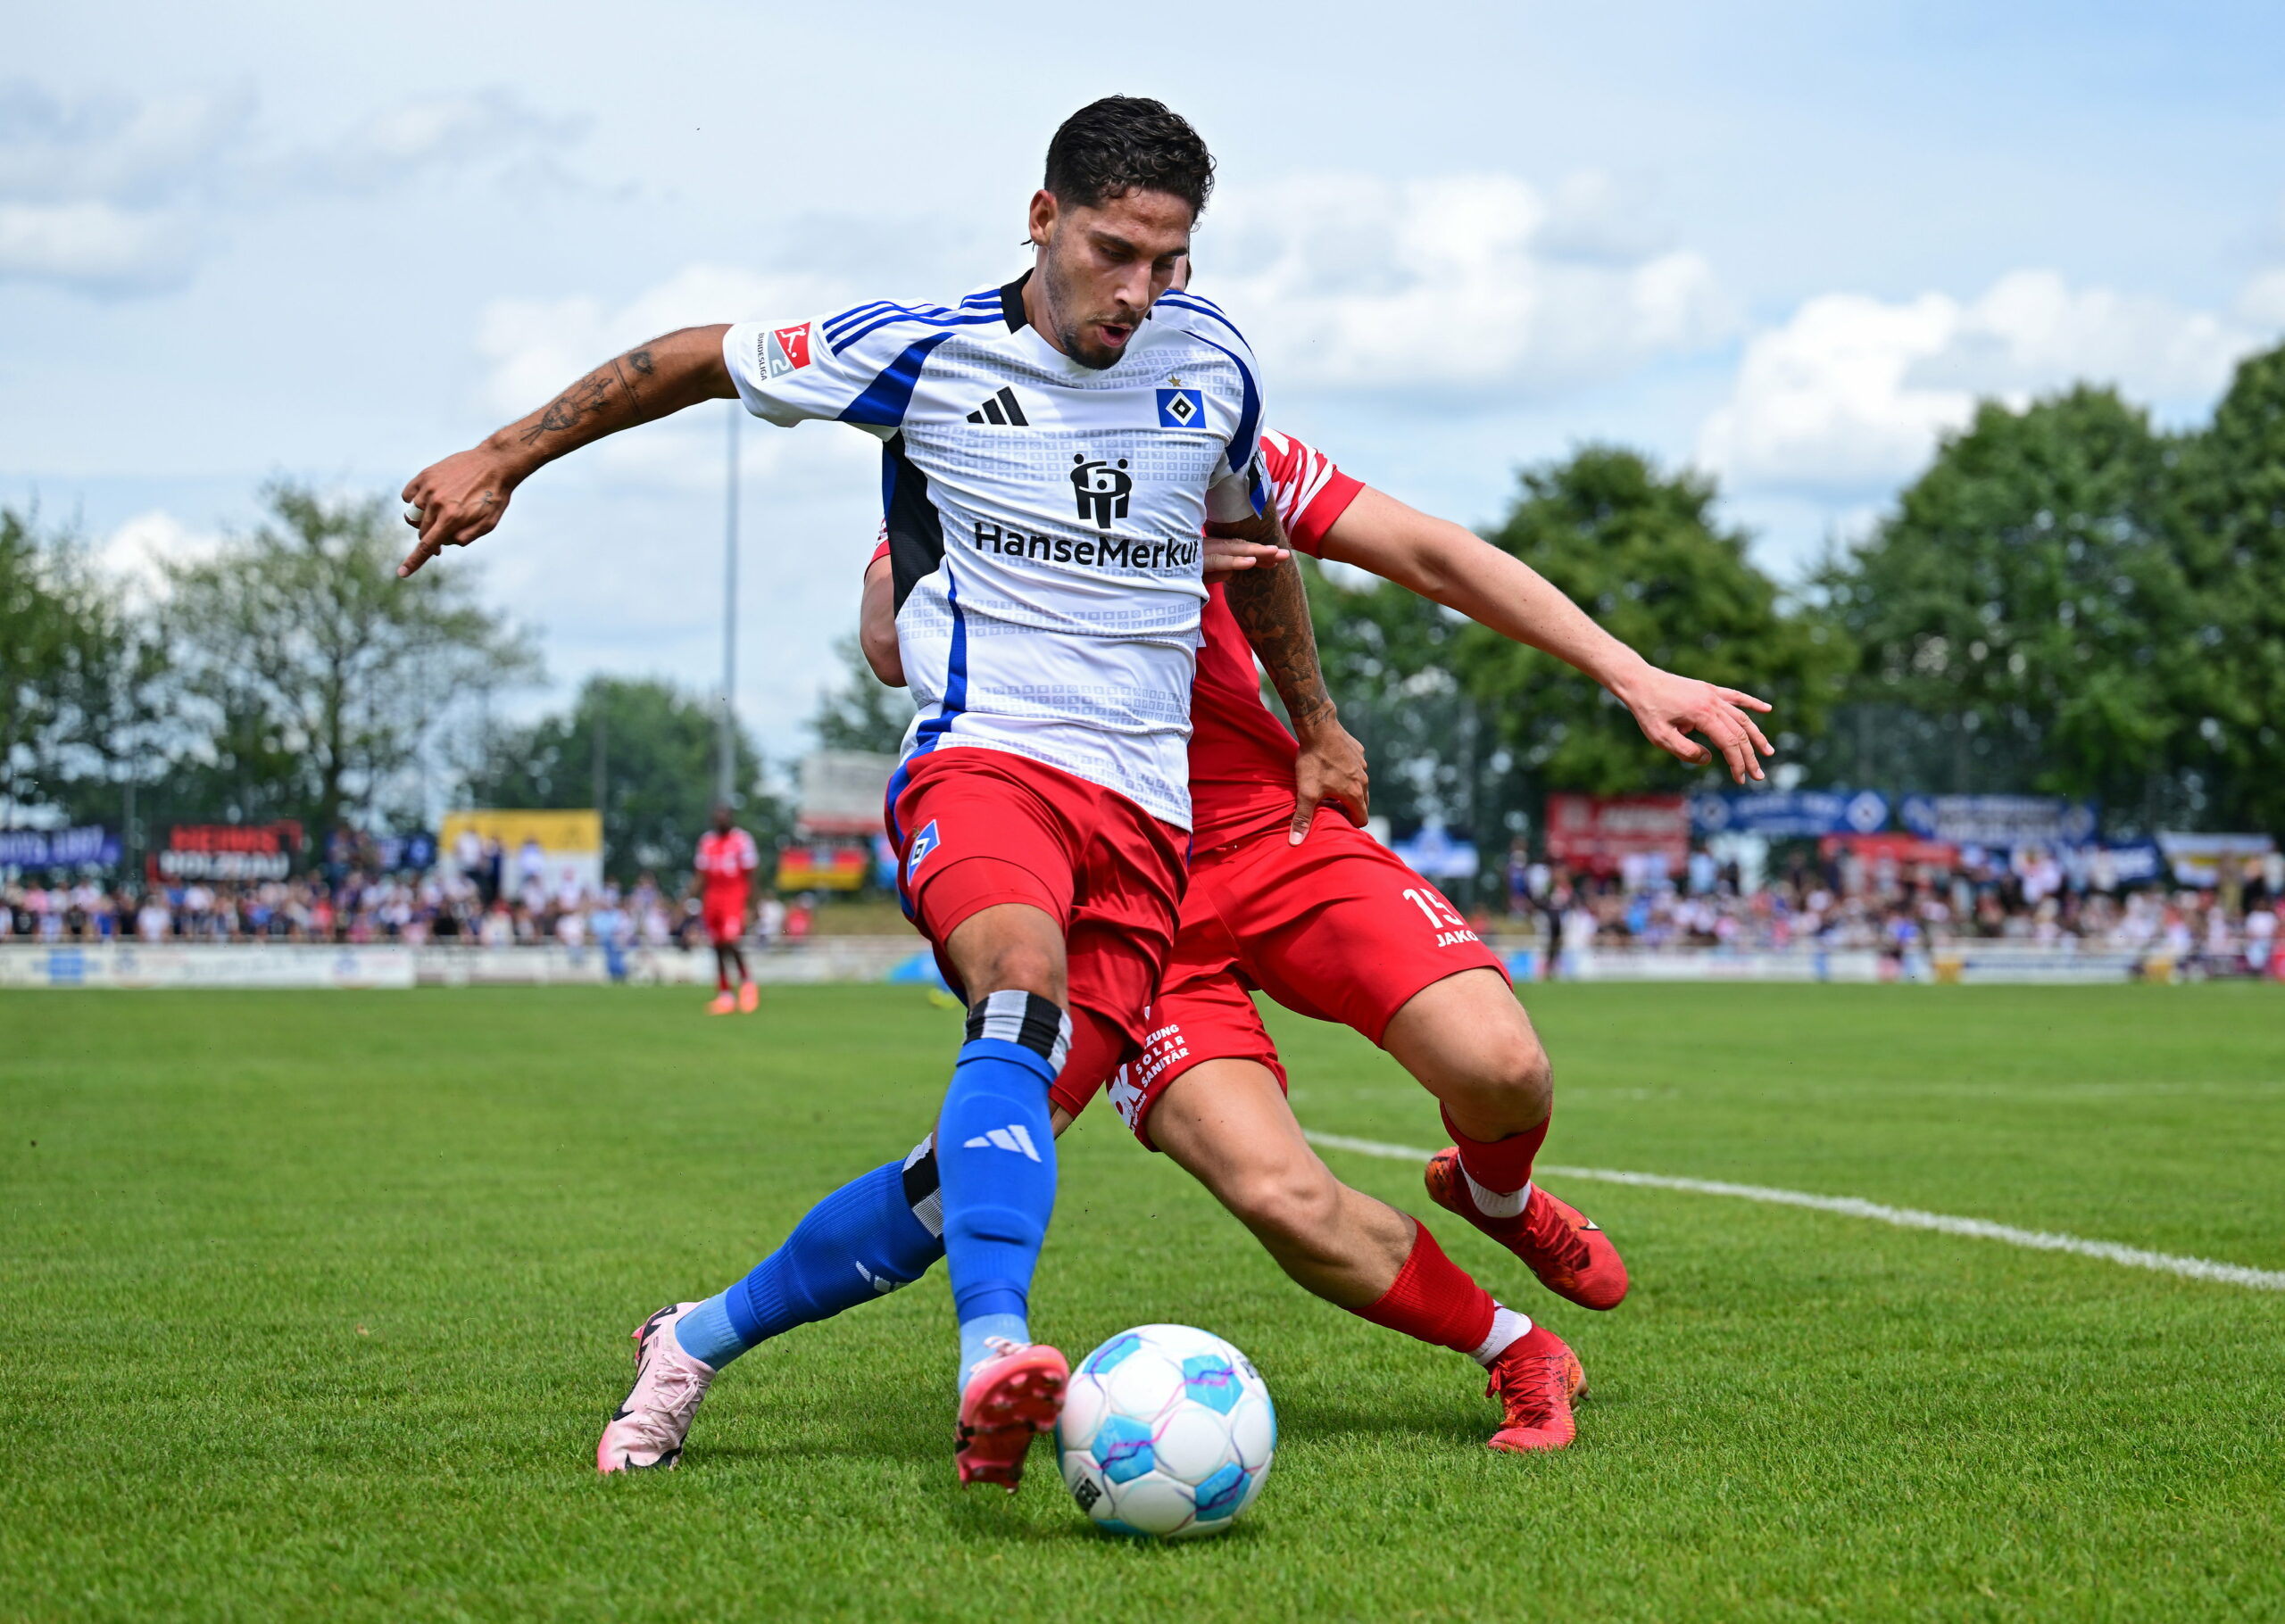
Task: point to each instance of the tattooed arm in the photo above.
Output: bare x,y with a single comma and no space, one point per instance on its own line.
1272,607
463,497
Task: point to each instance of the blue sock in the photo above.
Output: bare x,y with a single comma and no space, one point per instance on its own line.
995,1151
867,1238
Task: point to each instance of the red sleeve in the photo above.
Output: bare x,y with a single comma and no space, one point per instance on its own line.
881,549
1312,491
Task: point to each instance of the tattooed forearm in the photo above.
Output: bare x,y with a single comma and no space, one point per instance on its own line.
663,377
1273,608
588,401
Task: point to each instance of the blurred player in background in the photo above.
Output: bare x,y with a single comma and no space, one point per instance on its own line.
724,881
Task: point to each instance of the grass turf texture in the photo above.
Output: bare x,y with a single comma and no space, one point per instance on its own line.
315,1303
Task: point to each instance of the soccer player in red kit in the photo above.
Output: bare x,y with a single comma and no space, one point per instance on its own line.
727,859
1314,912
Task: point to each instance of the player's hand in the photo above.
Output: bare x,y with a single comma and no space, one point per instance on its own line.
1225,555
1330,767
455,501
1669,709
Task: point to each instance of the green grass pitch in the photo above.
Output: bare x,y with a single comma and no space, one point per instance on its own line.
314,1305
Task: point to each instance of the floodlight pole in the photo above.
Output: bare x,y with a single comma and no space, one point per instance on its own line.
727,775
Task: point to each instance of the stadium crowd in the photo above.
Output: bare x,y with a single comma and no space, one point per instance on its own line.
1845,903
439,908
2035,897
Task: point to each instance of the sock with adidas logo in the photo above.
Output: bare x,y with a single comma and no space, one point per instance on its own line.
874,1234
995,1159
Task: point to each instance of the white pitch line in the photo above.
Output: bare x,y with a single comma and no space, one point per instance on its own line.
1903,1217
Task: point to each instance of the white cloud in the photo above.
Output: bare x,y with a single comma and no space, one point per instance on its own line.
533,348
1460,287
2262,300
108,147
136,554
99,194
108,194
453,132
96,246
1852,391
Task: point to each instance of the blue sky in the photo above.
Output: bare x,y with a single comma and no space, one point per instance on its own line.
1787,242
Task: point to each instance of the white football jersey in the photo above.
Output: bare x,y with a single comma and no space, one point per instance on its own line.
1042,517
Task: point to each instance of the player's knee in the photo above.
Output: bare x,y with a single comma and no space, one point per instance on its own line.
1018,967
1294,1203
1514,1079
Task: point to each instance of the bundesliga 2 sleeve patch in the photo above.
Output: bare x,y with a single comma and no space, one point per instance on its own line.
779,351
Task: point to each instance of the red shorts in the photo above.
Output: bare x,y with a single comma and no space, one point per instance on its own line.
975,828
726,919
1337,928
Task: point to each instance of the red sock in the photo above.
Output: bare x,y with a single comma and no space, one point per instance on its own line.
721,978
1435,1300
1502,1166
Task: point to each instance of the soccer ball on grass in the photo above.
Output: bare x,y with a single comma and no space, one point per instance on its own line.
1166,1432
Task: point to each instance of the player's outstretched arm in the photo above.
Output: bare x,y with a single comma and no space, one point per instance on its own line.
1272,607
454,501
1462,571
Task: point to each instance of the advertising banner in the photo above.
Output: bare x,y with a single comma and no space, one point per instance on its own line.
1895,845
842,793
1782,814
2120,863
235,853
2197,859
823,868
1598,832
1999,820
58,848
558,851
1433,855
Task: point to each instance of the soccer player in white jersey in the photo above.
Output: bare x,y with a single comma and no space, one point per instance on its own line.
1051,451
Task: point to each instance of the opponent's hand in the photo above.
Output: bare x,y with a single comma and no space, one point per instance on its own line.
456,501
1330,767
1225,555
1669,709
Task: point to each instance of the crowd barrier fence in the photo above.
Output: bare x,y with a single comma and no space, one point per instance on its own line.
875,959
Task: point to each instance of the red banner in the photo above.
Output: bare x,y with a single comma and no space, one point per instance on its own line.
227,851
1895,847
1595,833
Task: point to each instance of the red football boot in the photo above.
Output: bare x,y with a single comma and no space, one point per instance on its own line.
1536,1385
1011,1395
1565,1249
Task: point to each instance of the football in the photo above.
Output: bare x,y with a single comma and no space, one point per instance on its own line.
1168,1432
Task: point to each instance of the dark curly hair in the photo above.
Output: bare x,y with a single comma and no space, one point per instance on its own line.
1127,143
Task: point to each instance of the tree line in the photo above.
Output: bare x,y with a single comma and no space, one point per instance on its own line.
2067,601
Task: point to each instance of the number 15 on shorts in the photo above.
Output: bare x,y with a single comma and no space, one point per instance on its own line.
1442,919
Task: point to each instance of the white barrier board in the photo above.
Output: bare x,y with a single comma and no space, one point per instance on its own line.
135,965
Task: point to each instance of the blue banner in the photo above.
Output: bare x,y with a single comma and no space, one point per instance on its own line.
1781,814
1433,855
2001,820
58,848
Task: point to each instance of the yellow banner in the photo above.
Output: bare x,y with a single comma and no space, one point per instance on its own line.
579,831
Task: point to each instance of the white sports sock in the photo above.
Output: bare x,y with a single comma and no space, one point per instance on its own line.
1508,1326
1491,1203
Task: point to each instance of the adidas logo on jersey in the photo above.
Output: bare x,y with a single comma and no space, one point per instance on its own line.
1014,1136
1002,409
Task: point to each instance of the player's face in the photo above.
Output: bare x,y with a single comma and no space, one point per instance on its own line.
1101,269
